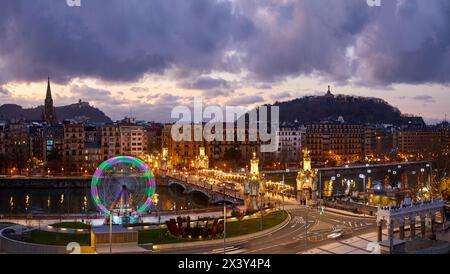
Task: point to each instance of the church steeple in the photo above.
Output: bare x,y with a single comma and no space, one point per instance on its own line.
49,114
49,92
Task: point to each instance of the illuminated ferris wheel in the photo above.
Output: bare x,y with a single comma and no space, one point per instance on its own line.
122,188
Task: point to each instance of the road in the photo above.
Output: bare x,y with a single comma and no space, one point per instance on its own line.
291,238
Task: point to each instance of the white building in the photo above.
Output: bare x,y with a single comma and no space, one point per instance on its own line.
132,138
290,143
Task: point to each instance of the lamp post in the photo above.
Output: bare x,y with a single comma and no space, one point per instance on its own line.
224,222
429,175
306,226
339,182
362,176
261,213
422,170
320,185
110,232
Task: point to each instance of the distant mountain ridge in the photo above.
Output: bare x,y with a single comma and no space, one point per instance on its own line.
77,111
353,109
329,107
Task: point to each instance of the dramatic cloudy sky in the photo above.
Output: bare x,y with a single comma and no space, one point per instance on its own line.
146,56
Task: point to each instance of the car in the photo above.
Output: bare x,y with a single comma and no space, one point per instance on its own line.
337,233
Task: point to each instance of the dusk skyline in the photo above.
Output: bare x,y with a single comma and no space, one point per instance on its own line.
172,128
122,59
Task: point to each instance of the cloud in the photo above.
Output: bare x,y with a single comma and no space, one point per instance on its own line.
263,86
160,109
281,95
245,100
424,98
407,42
344,41
4,91
116,41
139,89
90,94
347,41
205,83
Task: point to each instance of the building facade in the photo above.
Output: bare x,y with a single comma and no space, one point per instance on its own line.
337,142
73,152
379,142
110,141
289,144
233,150
132,140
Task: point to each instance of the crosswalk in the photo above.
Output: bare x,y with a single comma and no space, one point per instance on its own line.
297,220
356,224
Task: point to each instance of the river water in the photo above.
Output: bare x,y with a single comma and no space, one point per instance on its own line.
78,201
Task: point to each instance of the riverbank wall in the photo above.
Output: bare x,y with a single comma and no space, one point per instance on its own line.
54,182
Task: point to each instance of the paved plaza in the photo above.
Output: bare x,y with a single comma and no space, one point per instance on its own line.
355,245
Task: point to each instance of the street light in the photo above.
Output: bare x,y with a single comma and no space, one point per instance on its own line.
429,165
362,176
224,222
340,186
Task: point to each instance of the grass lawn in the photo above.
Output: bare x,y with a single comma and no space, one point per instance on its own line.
74,225
243,227
237,228
52,238
159,236
155,236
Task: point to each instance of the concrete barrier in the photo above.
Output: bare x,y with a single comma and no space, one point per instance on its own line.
12,246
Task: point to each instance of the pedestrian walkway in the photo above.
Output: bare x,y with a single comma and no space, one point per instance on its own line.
362,244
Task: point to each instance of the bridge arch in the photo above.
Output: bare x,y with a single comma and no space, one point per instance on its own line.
176,184
195,191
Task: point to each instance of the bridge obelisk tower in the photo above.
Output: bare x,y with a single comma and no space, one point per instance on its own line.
307,181
202,160
253,185
165,162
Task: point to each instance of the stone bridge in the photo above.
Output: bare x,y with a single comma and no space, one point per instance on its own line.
213,194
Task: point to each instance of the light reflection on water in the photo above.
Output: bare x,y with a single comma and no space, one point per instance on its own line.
78,201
